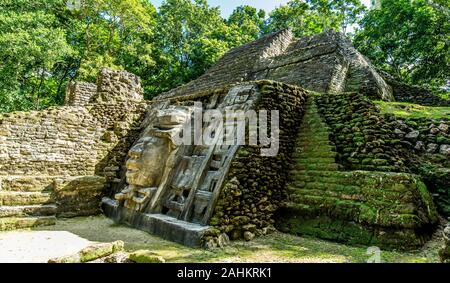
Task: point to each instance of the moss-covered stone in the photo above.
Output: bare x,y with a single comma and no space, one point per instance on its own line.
145,256
392,210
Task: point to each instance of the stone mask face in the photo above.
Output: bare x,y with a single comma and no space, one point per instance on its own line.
146,164
147,159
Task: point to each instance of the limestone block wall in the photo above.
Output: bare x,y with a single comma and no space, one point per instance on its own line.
79,93
61,161
413,94
59,141
71,153
256,185
63,141
118,86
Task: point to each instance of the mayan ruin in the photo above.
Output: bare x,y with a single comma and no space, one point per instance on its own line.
284,138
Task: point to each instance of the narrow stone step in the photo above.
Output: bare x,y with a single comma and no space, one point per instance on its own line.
317,167
27,210
315,173
302,155
168,228
321,188
321,130
324,145
13,223
28,184
24,198
313,141
315,148
315,161
315,136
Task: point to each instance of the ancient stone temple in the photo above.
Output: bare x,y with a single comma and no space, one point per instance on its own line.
341,170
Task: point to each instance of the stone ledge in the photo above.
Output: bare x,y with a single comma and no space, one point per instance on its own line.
166,227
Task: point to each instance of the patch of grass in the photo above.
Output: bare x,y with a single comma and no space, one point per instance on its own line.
410,110
276,247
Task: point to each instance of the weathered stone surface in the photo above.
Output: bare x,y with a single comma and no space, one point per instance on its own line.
444,128
145,256
413,135
326,63
61,160
116,86
444,253
91,253
432,147
80,93
445,149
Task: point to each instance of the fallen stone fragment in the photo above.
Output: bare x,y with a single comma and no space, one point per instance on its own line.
91,253
145,256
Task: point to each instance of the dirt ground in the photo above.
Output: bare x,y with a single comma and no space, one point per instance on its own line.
71,235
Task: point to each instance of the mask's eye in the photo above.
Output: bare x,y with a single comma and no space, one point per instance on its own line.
136,151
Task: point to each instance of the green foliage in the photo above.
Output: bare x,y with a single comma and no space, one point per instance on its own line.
409,39
33,46
247,24
189,39
44,43
311,17
112,33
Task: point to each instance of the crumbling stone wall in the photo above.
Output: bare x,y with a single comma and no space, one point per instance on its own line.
118,86
413,94
256,185
428,141
63,141
79,93
63,159
59,141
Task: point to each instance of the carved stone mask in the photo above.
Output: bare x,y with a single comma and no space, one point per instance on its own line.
145,166
148,157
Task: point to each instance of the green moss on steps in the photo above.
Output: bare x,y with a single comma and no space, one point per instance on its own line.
410,110
392,210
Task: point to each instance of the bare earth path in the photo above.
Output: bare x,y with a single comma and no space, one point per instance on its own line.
71,235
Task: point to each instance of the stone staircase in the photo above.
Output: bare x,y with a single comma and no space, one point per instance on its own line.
314,154
26,203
